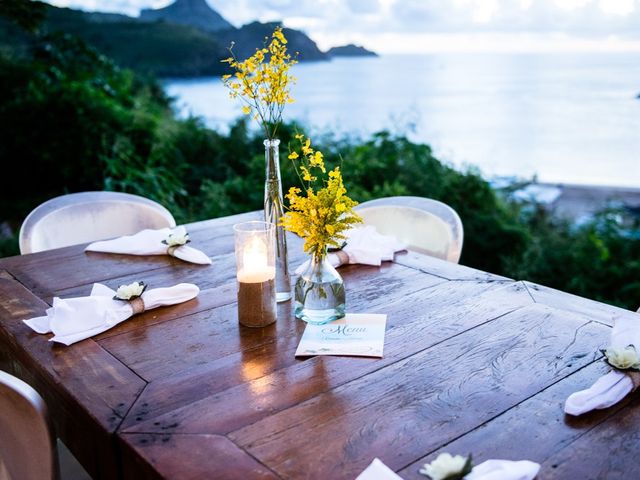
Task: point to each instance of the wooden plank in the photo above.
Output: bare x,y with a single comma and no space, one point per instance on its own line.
534,430
600,312
209,457
87,390
609,450
205,276
260,382
202,338
417,404
222,270
444,269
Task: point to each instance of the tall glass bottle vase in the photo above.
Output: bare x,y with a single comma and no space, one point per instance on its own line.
273,210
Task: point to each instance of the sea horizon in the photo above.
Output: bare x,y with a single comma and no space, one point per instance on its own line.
570,118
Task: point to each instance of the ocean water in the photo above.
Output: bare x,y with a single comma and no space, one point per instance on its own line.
566,118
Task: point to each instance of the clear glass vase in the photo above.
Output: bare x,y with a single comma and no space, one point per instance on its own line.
319,292
273,210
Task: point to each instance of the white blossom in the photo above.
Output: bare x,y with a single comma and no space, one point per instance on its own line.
127,292
623,358
175,240
445,466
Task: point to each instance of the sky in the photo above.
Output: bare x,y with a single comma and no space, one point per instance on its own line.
422,26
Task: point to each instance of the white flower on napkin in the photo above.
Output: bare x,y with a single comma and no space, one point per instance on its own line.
623,358
128,292
447,467
617,384
176,239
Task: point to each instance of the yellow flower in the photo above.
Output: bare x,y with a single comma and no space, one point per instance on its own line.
263,81
319,216
277,34
306,148
246,109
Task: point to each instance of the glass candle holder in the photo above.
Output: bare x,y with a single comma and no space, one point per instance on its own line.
256,273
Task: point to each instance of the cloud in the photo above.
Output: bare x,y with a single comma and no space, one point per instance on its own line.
333,22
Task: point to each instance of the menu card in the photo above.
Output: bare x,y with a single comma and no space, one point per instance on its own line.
357,334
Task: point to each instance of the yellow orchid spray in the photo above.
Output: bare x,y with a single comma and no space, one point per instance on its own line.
319,215
263,81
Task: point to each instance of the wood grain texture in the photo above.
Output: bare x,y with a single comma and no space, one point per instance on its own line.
416,405
609,451
597,311
293,381
206,336
209,457
171,272
535,429
444,269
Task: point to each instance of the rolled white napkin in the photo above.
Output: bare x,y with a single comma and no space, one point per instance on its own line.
615,385
504,470
149,242
378,471
364,246
74,319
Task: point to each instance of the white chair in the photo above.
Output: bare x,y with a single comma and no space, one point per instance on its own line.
425,225
89,216
27,446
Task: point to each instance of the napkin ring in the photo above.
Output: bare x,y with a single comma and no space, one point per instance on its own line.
172,249
137,305
343,257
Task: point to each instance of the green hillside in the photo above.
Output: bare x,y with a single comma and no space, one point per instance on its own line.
159,48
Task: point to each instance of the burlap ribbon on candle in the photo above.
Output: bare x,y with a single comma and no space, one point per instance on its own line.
137,305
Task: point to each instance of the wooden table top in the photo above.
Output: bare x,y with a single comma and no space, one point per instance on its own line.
474,363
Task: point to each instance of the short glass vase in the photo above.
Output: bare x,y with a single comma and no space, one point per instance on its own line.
319,292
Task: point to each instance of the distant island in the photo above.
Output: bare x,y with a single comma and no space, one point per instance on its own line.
350,50
185,39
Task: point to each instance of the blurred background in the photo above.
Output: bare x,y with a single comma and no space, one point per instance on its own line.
523,115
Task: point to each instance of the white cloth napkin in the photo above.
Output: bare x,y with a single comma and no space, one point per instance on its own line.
365,246
489,470
378,471
504,470
74,319
149,242
615,385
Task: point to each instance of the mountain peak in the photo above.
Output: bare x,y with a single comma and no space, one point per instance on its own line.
196,13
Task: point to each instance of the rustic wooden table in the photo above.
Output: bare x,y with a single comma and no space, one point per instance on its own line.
473,363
